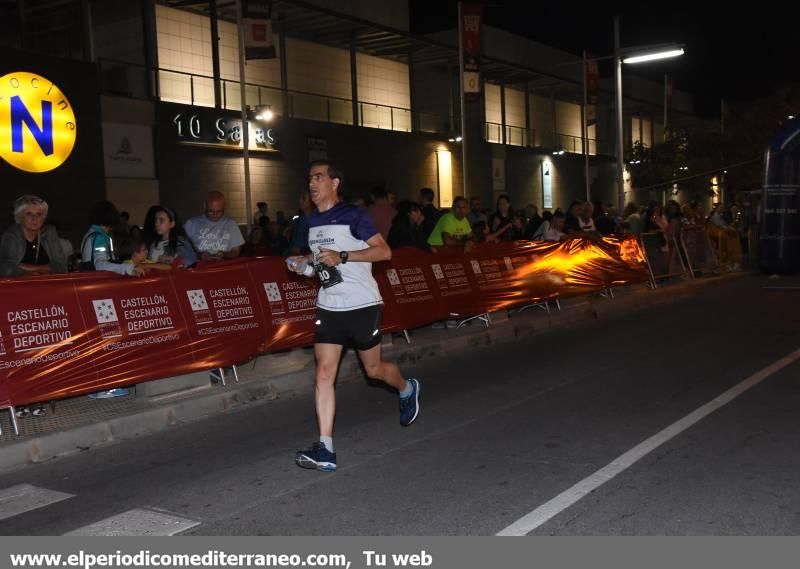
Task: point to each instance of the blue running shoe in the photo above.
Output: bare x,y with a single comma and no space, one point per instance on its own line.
316,458
409,406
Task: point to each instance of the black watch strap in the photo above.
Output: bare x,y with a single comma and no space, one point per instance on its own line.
344,255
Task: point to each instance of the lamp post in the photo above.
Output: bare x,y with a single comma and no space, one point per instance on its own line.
631,55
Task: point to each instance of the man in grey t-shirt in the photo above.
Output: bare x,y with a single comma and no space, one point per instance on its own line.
215,236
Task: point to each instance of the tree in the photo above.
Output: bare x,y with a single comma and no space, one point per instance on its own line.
679,160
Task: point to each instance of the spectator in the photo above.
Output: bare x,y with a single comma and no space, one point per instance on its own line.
655,220
604,223
124,225
571,223
298,242
533,221
480,231
727,237
391,197
517,230
97,246
696,213
214,236
475,214
429,212
165,239
407,229
284,225
256,245
278,244
29,247
585,218
381,213
261,211
139,257
453,227
632,219
554,231
500,222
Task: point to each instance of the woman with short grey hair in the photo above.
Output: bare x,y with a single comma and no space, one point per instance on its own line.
29,247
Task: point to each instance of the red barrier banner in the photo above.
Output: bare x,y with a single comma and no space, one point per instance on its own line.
129,332
223,315
289,303
45,348
66,335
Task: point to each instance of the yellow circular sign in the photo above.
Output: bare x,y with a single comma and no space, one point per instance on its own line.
37,123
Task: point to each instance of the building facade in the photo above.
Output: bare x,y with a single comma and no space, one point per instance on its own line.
351,84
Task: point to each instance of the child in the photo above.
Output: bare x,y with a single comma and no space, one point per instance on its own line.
139,258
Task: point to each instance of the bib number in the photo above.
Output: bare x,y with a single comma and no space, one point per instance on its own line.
328,276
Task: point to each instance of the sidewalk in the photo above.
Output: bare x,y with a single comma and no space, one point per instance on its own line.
79,423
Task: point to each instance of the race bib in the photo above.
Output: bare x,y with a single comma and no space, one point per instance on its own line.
328,276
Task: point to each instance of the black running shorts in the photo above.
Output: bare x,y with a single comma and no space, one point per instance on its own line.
360,328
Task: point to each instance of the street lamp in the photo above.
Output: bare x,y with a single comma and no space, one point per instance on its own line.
631,55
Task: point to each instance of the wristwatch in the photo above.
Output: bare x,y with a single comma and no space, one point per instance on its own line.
343,255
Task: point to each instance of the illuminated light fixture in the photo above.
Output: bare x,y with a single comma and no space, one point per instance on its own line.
265,114
559,152
665,54
458,139
790,117
451,140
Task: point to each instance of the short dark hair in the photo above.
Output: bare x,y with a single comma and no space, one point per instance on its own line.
459,199
123,215
378,192
104,213
426,194
333,170
405,207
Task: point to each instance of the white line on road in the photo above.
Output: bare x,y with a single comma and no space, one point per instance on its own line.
138,522
552,508
22,498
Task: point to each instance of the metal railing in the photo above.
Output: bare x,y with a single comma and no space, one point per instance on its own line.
531,138
131,80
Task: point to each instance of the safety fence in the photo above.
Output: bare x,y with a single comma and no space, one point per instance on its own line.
66,335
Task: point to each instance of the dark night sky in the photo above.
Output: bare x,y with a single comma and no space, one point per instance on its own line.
736,53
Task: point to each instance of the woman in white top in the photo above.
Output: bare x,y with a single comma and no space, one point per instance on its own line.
554,230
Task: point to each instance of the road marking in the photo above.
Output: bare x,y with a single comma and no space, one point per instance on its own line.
22,498
138,522
552,508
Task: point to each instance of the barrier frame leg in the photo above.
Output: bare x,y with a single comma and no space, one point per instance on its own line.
485,318
686,255
407,336
653,284
13,416
235,373
544,305
14,420
221,376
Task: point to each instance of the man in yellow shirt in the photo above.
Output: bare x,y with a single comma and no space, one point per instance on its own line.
453,228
